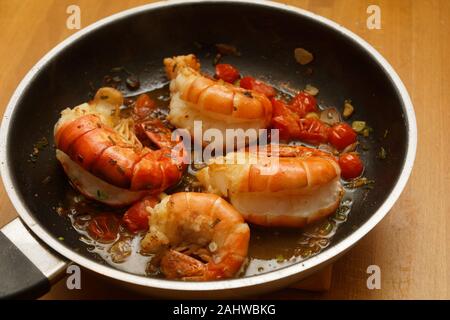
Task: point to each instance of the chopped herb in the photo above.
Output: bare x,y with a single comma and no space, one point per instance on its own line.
101,195
46,180
386,132
215,223
359,126
359,182
112,140
341,213
326,228
37,147
248,94
61,238
280,258
382,153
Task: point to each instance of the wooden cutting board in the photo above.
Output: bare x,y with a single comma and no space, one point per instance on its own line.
411,244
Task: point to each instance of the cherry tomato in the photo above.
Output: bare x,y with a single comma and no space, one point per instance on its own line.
351,166
136,217
250,83
341,135
104,227
313,131
227,72
144,105
284,120
303,103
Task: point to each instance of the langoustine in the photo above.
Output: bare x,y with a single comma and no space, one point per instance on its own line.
291,188
105,160
217,104
199,236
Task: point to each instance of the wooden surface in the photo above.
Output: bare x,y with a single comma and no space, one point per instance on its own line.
411,245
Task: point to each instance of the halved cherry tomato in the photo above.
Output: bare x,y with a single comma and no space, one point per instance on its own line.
291,126
351,166
303,103
341,135
251,83
104,227
227,72
284,120
136,217
144,105
313,131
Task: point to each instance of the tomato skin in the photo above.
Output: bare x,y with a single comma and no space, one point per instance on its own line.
104,227
136,217
291,126
313,131
284,120
227,72
351,166
251,83
341,135
303,103
144,105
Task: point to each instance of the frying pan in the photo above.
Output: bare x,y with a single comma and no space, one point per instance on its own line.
32,253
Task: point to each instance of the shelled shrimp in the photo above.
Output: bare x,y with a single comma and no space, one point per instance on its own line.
186,225
294,187
105,160
217,104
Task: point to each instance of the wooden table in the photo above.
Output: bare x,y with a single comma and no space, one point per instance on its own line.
411,245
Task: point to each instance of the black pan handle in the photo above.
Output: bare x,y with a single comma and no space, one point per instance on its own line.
27,266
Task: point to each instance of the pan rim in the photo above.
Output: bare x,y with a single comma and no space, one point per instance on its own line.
284,273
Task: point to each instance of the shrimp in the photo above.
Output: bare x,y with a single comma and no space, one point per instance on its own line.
105,160
296,187
201,237
217,104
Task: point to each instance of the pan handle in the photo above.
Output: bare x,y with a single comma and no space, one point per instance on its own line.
27,266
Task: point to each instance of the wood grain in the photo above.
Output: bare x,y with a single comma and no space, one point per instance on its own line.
412,244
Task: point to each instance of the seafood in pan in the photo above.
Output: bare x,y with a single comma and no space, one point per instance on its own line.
187,221
296,187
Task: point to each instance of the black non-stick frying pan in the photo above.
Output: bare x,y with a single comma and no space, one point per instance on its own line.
266,34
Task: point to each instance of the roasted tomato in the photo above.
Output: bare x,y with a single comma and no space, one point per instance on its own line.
144,105
303,103
351,166
284,120
136,217
291,126
227,72
341,135
313,131
250,83
104,227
